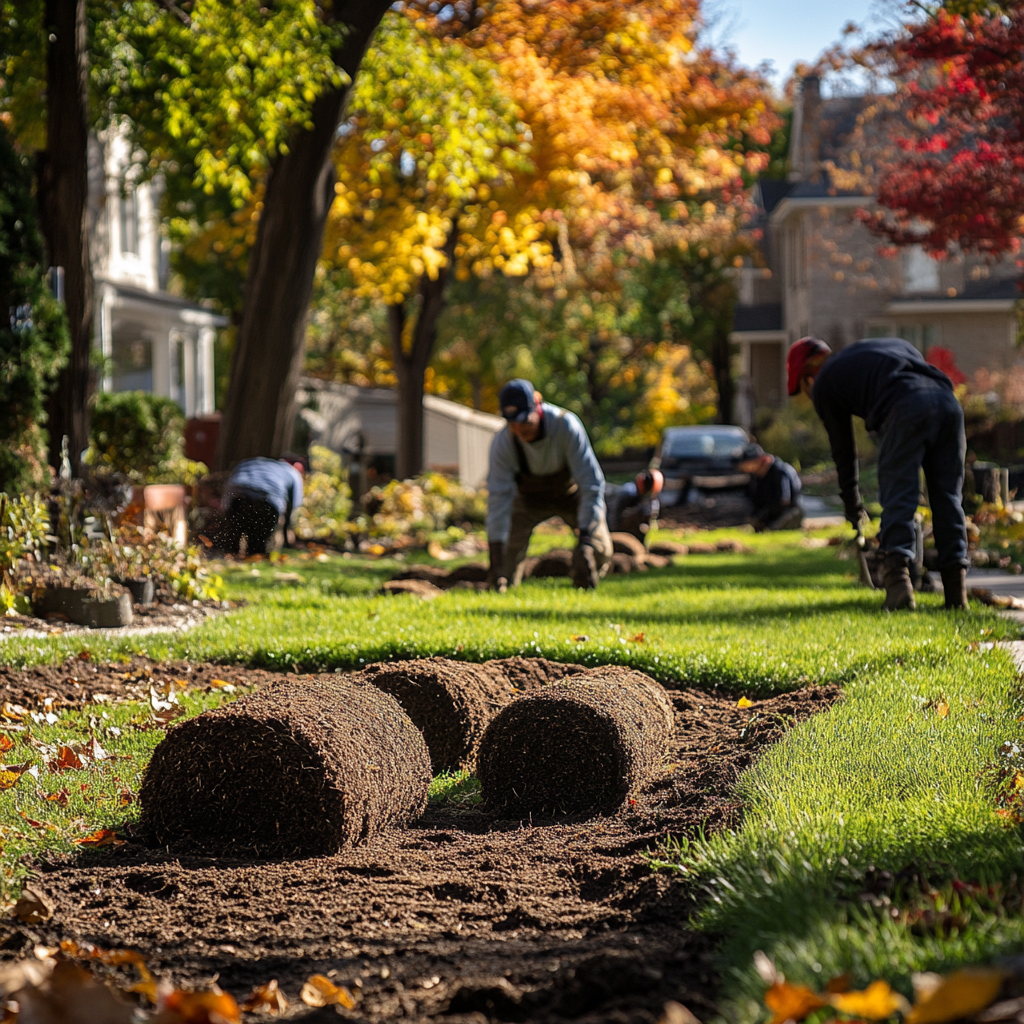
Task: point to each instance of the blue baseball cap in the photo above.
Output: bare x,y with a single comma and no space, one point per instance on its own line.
516,400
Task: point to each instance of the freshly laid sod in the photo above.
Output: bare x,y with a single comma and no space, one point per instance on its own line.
870,841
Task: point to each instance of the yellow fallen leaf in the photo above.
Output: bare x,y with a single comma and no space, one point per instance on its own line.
321,991
579,638
220,684
942,709
791,1002
9,779
957,995
265,999
744,703
32,907
876,1002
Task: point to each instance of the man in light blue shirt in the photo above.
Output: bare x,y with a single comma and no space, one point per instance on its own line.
261,492
542,465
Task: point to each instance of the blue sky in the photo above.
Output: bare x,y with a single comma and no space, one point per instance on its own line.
785,31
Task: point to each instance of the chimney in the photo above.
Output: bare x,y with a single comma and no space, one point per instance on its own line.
805,144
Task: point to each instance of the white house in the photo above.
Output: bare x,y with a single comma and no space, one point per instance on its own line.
150,340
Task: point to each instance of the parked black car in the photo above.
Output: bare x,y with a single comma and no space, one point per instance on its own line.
697,460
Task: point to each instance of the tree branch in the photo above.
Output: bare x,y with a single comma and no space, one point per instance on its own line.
168,5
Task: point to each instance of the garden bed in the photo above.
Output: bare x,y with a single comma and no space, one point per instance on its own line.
465,913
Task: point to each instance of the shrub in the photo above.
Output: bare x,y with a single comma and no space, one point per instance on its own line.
24,526
415,508
794,434
327,499
33,330
142,436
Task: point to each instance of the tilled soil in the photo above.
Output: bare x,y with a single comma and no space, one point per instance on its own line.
463,917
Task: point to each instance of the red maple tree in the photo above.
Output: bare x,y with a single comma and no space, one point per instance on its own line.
960,181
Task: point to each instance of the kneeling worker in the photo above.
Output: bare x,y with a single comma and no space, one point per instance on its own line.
260,492
912,406
773,490
542,465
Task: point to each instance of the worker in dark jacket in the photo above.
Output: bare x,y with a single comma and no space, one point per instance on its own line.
261,493
542,465
774,490
911,405
631,506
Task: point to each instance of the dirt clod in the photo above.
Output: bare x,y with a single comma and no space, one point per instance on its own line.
298,769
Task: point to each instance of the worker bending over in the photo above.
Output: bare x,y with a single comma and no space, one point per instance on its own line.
912,407
542,465
262,494
774,490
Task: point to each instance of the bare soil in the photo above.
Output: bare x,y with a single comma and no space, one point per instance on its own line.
464,917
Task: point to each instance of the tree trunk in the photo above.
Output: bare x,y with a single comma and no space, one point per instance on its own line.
721,360
270,347
63,199
411,366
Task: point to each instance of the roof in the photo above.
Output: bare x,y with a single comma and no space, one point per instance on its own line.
770,192
765,316
164,299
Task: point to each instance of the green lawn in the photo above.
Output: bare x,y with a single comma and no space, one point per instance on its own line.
868,829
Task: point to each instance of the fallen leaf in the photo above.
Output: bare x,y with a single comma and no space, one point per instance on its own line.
265,999
60,798
101,837
579,638
199,1008
66,758
34,823
791,1002
9,778
14,712
220,684
321,991
84,655
957,995
638,638
146,985
32,907
6,743
877,1002
72,996
376,549
942,709
840,983
125,798
743,702
676,1013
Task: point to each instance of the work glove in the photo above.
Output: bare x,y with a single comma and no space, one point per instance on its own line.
496,575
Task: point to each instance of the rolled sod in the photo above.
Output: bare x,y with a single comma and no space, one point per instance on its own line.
579,745
299,769
452,702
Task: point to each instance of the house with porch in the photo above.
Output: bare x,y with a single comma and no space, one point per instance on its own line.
821,272
150,340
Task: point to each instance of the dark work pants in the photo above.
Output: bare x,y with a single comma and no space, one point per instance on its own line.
925,430
254,518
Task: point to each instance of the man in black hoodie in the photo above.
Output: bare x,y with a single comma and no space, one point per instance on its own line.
911,405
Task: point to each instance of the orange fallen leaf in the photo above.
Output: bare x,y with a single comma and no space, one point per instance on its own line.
638,638
877,1002
200,1008
791,1002
34,823
957,995
219,684
101,837
265,999
840,983
743,702
942,709
66,759
146,985
60,798
321,991
579,638
6,743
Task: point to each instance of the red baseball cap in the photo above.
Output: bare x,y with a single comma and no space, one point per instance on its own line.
797,358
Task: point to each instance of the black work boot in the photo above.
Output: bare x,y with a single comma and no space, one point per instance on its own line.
584,568
899,591
954,586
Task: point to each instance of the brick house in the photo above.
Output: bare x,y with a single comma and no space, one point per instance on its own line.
822,273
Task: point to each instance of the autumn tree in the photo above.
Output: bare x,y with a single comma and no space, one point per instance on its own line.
959,181
629,132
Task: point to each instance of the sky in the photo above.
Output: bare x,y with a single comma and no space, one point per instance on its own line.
785,31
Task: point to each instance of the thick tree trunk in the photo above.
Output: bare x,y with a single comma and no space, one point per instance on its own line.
270,347
411,364
63,197
721,360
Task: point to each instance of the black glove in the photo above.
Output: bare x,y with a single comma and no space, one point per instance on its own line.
856,514
496,575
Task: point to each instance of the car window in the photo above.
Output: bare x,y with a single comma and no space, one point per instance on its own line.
703,443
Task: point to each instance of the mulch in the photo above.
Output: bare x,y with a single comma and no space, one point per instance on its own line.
463,917
299,769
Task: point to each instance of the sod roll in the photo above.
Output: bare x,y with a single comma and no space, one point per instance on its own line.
451,702
301,768
579,745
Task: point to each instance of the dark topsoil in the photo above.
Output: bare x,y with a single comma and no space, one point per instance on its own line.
463,917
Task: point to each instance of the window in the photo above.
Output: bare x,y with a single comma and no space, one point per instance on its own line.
920,271
132,355
129,217
921,336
